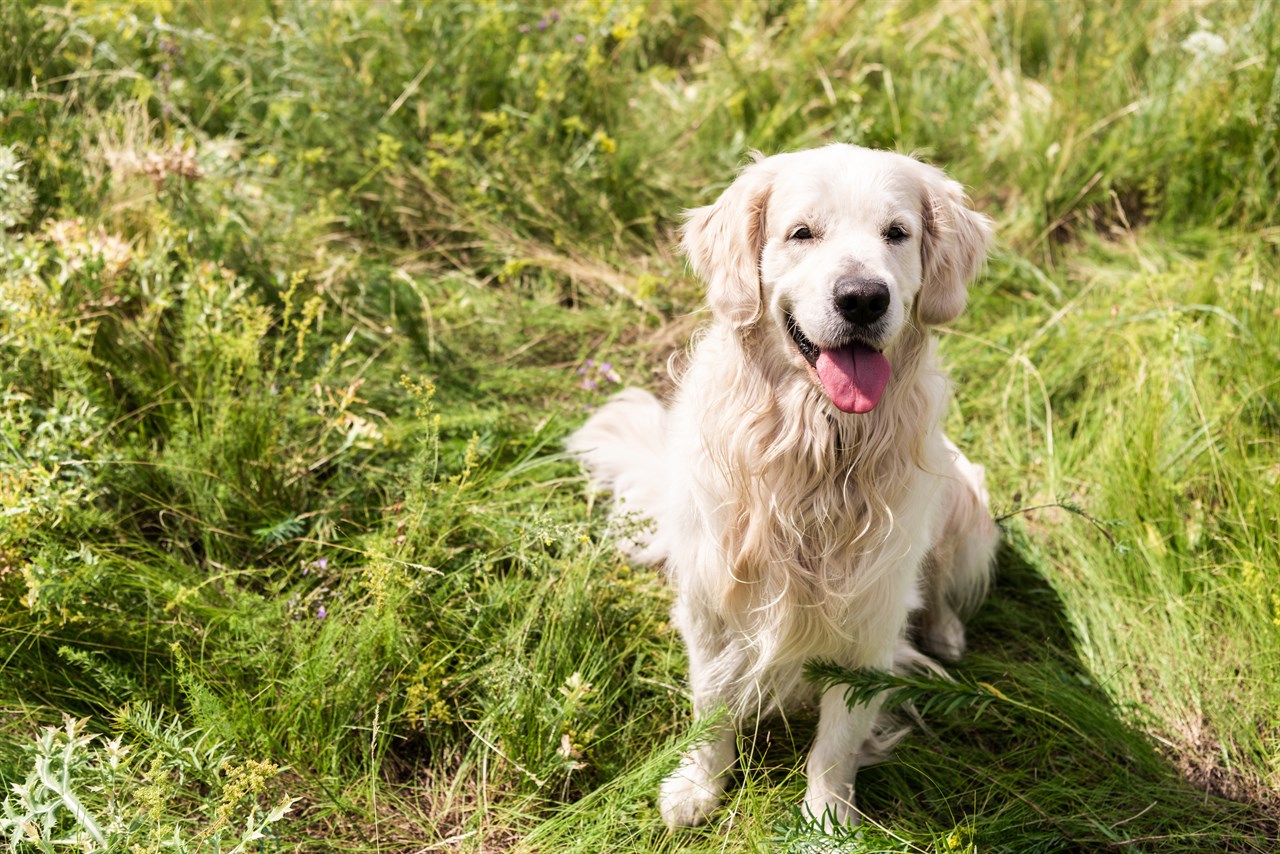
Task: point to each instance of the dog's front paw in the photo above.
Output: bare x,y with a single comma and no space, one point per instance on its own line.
689,795
830,810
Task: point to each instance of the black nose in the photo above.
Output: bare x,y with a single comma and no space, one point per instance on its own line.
861,301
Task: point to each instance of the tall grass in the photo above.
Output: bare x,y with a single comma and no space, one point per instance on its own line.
298,302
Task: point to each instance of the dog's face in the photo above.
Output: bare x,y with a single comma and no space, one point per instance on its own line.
837,250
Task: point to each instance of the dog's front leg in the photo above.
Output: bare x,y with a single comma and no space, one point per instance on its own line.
834,758
692,792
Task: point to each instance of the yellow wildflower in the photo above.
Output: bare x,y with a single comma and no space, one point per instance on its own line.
605,143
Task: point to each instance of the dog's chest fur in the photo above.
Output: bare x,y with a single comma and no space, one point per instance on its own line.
802,506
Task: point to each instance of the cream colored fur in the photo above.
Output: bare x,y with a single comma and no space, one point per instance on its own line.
791,530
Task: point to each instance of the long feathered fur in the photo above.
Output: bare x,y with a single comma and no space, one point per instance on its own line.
791,530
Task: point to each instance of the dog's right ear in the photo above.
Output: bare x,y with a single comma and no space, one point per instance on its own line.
953,249
723,243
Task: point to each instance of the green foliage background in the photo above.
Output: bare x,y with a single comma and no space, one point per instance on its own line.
298,300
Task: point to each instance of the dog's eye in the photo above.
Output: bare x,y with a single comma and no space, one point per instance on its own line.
801,233
895,233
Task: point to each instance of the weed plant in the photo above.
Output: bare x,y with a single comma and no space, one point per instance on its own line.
298,301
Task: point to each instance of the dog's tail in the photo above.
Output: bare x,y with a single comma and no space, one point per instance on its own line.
621,447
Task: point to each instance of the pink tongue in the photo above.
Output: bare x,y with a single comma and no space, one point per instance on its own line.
853,376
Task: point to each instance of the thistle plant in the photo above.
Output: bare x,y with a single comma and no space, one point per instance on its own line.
16,196
90,796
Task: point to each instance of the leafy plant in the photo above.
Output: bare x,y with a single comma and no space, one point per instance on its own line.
95,798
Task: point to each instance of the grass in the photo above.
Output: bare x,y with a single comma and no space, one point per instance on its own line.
299,300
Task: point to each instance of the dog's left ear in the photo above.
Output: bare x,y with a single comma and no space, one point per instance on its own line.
953,248
723,244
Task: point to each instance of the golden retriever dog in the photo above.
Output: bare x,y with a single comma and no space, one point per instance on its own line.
799,488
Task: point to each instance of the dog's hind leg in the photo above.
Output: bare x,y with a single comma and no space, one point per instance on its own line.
957,571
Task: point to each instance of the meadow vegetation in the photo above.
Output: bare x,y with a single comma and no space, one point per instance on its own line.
299,300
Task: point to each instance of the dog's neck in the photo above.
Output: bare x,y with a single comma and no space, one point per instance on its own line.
790,433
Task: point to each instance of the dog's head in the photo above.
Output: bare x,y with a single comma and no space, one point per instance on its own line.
838,248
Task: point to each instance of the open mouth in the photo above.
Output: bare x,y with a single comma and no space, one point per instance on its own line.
806,347
854,375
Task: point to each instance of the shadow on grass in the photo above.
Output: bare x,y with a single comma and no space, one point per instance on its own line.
1033,756
1051,765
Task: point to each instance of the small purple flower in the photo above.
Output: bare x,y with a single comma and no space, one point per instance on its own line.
321,564
595,374
321,613
542,25
555,14
580,38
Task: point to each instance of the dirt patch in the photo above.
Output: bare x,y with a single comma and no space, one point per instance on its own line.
1199,760
429,813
